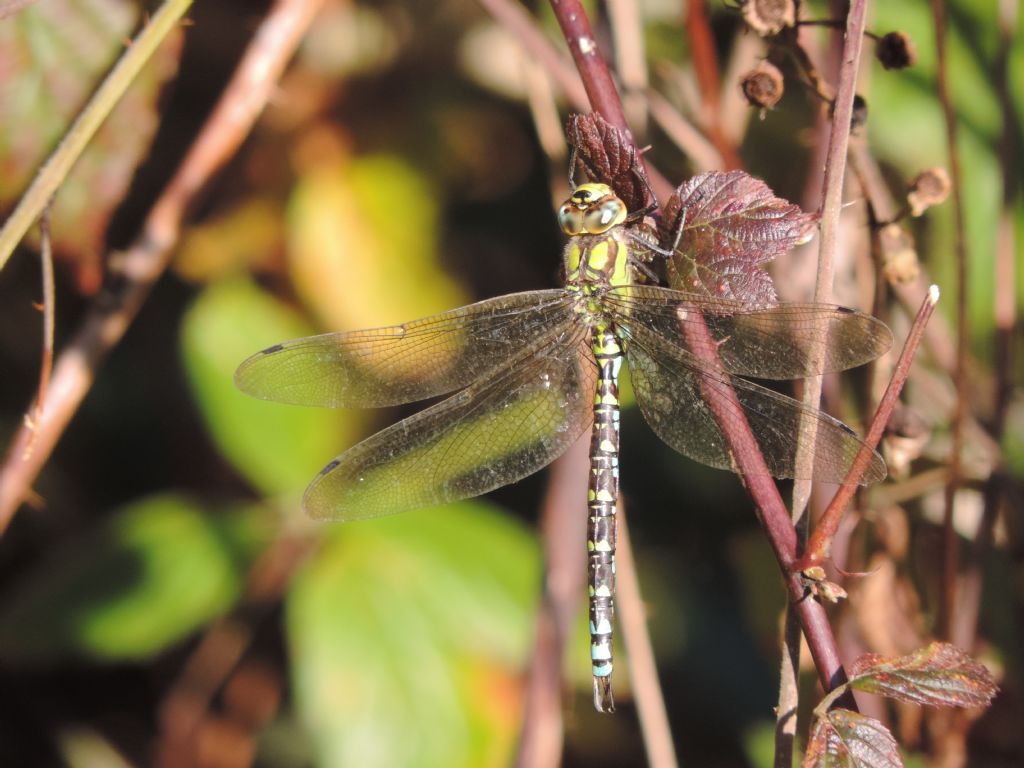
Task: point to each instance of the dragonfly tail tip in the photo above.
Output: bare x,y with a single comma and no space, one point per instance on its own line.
604,701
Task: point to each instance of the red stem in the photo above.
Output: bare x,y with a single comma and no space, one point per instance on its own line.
821,539
597,80
770,508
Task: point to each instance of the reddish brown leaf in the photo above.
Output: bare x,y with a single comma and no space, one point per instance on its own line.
52,57
732,224
608,156
845,739
940,675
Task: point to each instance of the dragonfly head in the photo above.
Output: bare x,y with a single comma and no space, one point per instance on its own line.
592,209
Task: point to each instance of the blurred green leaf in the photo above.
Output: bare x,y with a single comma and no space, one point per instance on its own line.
362,240
148,576
408,636
759,743
908,132
279,448
52,56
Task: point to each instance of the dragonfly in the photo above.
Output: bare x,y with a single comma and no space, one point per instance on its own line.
528,373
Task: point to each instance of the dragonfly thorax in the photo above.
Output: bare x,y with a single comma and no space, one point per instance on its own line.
596,256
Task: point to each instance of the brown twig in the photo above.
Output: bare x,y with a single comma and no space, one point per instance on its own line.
826,527
705,64
1004,311
831,208
832,202
702,153
48,307
950,544
630,60
562,528
133,272
647,692
222,647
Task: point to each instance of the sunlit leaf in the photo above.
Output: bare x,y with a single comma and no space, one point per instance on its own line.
52,56
278,448
150,575
845,739
940,675
362,244
249,235
408,637
732,225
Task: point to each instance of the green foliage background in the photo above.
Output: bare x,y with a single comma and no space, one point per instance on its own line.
397,175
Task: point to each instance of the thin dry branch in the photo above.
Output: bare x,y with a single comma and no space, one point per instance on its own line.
950,543
819,544
831,208
49,309
705,64
541,737
133,272
657,732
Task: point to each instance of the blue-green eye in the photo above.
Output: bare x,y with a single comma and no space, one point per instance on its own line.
604,216
570,219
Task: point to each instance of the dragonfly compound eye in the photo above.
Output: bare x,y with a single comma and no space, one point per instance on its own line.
606,214
570,219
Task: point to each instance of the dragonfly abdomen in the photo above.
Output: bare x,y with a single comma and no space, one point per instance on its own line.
602,495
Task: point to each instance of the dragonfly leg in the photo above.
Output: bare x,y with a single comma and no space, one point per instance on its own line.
601,499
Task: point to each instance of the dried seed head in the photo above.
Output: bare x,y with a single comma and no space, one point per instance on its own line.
896,51
763,85
899,256
769,17
929,188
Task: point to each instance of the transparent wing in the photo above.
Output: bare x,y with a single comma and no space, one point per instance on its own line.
402,363
668,383
495,432
788,341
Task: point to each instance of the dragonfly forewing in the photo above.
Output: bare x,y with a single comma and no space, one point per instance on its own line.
402,363
495,432
669,384
788,341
